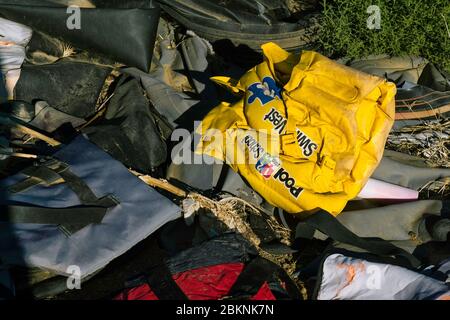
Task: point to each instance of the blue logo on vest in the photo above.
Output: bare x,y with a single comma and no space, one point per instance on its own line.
265,91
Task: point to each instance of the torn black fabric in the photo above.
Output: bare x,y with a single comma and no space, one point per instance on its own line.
130,131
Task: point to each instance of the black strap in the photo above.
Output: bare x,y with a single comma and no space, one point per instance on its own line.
84,193
255,274
329,225
222,176
37,175
42,215
162,284
70,219
53,170
249,282
41,172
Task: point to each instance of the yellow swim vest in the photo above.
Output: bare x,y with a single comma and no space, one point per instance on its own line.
307,132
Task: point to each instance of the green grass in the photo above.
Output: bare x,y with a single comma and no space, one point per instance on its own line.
408,27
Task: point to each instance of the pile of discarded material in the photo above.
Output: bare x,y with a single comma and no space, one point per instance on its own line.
195,149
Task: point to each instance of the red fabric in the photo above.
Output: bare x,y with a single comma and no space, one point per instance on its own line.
142,292
264,293
207,283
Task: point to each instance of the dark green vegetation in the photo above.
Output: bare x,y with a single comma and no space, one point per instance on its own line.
408,27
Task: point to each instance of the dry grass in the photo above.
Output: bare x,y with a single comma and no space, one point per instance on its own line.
67,50
234,213
440,187
299,6
429,140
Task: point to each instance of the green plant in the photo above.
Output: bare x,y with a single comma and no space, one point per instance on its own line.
408,27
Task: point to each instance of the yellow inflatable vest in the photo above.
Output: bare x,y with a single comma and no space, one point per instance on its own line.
307,132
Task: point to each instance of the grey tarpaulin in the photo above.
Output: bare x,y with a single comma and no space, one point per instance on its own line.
407,171
417,103
405,225
196,170
167,83
422,89
435,79
400,223
141,212
399,69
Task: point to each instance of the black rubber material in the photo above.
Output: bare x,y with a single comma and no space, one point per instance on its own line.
125,35
70,87
130,131
244,22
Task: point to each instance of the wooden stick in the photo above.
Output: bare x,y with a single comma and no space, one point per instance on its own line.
101,110
162,184
12,123
19,155
38,135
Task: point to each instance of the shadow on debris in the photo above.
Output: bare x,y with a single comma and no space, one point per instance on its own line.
11,252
